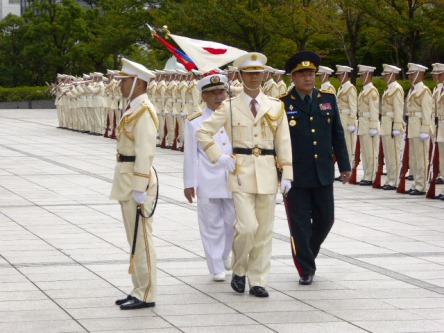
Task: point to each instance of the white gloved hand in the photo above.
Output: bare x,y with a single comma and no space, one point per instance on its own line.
227,161
423,136
285,185
373,131
183,114
396,132
163,113
139,197
351,128
174,113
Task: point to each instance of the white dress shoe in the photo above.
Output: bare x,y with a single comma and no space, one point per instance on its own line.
219,277
227,263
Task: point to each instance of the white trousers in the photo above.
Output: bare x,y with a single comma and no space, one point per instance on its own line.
216,224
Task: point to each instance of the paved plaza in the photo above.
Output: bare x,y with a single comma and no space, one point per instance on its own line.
64,255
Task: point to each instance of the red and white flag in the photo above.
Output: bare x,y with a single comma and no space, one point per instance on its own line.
207,55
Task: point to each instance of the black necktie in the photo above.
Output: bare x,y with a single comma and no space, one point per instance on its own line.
307,107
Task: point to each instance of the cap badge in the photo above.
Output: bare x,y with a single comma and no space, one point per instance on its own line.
306,63
253,57
215,79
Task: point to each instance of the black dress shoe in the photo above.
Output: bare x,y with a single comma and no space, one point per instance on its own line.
365,182
416,192
439,181
238,283
124,300
306,280
389,187
259,292
409,177
338,178
136,304
439,196
409,191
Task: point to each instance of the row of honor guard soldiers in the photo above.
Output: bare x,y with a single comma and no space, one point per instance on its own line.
379,123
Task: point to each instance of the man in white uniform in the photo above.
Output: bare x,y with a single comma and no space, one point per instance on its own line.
208,181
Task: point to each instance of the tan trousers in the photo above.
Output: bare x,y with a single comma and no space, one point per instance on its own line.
145,274
441,160
181,126
171,128
419,160
253,236
369,155
392,158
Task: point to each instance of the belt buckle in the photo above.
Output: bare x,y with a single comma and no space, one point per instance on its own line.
118,157
256,151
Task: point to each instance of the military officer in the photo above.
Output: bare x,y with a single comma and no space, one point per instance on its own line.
316,135
282,87
215,208
369,127
419,110
181,113
439,80
170,95
392,124
324,73
236,86
256,125
438,70
270,87
160,102
347,98
135,182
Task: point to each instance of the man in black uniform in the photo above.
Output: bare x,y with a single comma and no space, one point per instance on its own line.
316,136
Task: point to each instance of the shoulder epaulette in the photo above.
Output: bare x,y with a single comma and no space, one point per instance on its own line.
194,116
327,91
282,95
273,98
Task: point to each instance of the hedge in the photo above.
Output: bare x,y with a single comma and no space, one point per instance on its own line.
24,94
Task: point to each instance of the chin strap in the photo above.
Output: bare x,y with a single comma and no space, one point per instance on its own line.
132,88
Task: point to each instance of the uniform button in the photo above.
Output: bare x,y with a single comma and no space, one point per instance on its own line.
315,143
224,143
316,155
311,118
255,135
221,132
313,130
255,125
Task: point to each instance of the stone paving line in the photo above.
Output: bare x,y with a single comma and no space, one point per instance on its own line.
64,256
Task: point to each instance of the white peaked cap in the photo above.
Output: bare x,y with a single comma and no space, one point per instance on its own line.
415,68
134,69
324,69
251,62
364,68
212,82
232,69
390,69
279,72
343,69
437,68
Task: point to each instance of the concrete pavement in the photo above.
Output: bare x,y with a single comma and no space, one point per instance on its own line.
64,255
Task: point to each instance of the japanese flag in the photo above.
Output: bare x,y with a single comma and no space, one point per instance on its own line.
207,55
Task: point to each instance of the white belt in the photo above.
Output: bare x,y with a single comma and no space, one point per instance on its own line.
179,100
364,114
417,114
389,114
345,111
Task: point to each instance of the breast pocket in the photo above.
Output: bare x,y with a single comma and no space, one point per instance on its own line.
326,116
241,131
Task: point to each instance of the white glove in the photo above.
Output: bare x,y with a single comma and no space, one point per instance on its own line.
285,185
423,136
183,114
396,132
373,131
351,128
174,113
227,161
163,113
139,197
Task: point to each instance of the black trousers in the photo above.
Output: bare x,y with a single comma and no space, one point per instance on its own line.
310,214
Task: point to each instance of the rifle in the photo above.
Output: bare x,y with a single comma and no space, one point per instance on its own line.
404,165
377,181
352,179
433,171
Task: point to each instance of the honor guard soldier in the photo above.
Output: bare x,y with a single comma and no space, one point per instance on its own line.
324,74
316,136
368,108
270,87
419,104
347,98
159,103
282,87
438,71
236,86
260,137
438,77
208,181
180,107
392,124
135,182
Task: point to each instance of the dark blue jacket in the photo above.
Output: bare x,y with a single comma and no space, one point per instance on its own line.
316,136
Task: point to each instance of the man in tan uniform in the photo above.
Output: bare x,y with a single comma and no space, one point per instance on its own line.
282,87
438,78
438,71
135,182
159,103
324,74
368,108
392,125
257,126
270,87
419,110
236,86
347,98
